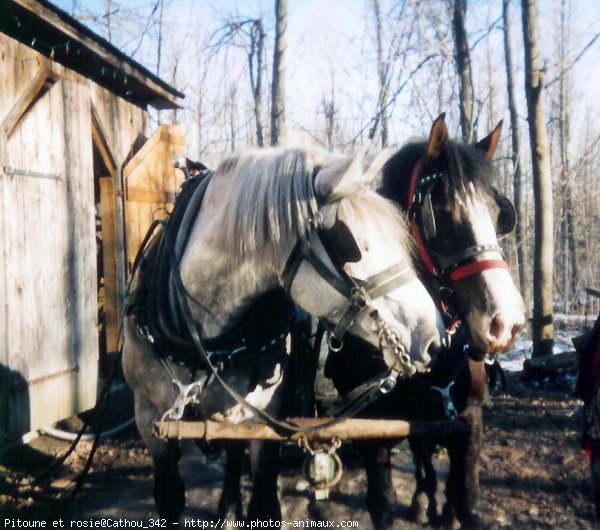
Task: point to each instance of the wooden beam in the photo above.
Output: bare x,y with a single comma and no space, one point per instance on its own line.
148,195
27,97
109,265
99,137
344,430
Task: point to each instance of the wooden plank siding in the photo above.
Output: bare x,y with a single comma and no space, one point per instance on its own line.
51,274
50,119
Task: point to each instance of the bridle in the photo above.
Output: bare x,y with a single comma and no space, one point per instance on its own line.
359,294
446,270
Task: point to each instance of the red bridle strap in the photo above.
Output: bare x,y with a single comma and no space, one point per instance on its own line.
475,267
414,225
459,273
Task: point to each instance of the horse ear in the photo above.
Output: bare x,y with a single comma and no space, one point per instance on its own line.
438,137
374,164
489,144
341,177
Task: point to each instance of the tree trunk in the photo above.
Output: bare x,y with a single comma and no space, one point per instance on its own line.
521,227
567,237
543,327
463,68
278,135
382,74
255,59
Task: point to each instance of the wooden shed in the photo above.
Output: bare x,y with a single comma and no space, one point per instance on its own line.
78,187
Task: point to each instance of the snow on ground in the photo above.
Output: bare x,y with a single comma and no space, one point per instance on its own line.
566,326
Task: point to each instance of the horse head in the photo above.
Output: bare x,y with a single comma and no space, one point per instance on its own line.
360,277
456,216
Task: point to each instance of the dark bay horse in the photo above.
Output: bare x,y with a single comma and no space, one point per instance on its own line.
299,221
447,189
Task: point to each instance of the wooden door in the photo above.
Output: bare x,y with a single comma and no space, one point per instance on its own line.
150,183
47,226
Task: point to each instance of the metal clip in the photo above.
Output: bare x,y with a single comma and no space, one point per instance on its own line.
185,396
387,384
145,332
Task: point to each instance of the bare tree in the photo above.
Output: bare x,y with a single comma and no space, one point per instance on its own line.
569,271
249,34
255,67
383,71
543,327
520,230
463,68
330,110
278,132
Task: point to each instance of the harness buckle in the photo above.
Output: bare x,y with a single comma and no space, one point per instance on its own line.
360,298
316,221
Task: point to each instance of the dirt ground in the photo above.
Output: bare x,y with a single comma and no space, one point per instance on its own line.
533,475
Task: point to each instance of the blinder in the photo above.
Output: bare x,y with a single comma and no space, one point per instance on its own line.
507,216
340,243
428,218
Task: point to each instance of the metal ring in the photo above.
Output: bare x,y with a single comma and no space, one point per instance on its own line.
334,344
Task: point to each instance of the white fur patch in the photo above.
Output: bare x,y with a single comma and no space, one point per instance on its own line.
259,398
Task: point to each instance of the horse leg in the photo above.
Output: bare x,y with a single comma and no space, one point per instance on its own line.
230,503
464,448
381,495
264,465
169,490
423,507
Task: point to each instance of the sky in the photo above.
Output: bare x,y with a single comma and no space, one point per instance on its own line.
328,41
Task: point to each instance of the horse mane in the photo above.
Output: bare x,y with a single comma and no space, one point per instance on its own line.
270,197
462,165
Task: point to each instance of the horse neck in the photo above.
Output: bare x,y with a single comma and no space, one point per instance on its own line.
221,293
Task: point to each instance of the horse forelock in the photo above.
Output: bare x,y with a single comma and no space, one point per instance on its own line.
371,209
466,171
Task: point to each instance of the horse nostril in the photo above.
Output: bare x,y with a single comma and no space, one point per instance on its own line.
497,326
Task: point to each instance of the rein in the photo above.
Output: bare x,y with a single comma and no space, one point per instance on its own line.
367,392
458,266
